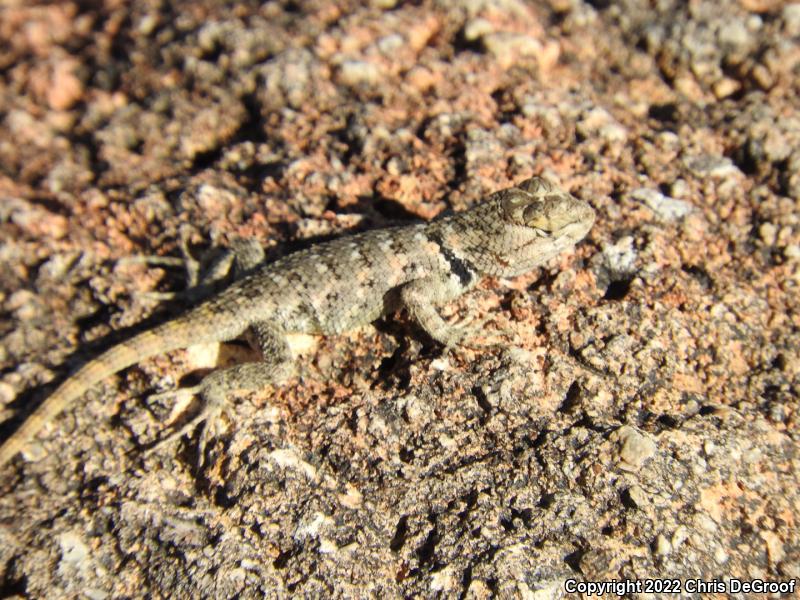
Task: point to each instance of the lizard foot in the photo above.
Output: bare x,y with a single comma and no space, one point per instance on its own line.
201,275
212,408
470,333
155,261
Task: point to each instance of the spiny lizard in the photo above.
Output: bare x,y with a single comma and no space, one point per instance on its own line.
339,285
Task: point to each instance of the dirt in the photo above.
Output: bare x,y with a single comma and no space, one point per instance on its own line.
641,422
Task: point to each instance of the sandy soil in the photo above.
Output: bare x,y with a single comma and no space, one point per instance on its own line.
640,423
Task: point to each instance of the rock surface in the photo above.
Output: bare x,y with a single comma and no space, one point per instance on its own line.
642,420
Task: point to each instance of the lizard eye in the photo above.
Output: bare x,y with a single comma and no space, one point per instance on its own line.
535,217
540,216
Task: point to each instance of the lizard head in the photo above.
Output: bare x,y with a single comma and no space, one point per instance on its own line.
517,229
547,210
532,222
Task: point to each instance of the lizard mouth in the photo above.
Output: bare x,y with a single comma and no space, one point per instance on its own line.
557,214
569,232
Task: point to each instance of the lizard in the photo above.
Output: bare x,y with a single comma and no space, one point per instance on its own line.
338,285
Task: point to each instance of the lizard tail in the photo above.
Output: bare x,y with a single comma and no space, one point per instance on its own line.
193,328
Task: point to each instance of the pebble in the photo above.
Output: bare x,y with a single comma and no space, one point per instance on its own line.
638,496
791,19
708,165
620,258
663,547
768,233
359,72
476,29
635,447
599,122
7,393
666,208
507,48
792,252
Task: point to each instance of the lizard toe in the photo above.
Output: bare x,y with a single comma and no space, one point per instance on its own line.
212,407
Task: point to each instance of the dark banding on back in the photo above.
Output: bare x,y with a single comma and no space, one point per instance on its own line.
458,266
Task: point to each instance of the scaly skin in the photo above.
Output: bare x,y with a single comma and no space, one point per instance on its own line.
342,284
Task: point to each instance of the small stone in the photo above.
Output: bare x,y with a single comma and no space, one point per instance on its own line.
391,43
792,252
708,165
763,77
709,447
33,451
620,258
754,23
289,459
7,393
213,200
666,208
638,496
478,590
476,29
508,48
768,233
668,141
680,535
662,545
74,553
790,15
613,132
421,78
19,299
483,147
563,6
352,498
725,87
549,116
775,146
147,24
599,122
635,448
775,548
65,89
444,580
414,411
327,546
359,72
706,523
679,188
735,35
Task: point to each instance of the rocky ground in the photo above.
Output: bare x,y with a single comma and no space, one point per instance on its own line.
640,422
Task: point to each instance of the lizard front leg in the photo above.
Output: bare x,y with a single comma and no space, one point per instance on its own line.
421,297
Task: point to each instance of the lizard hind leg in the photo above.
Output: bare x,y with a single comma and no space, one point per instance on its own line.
213,391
